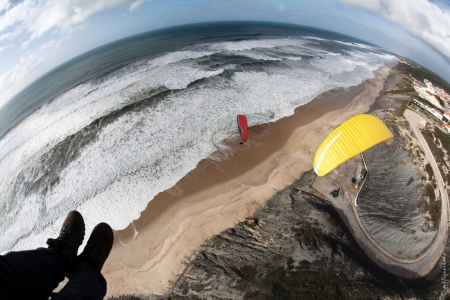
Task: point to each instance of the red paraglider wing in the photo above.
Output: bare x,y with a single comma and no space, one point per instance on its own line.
242,124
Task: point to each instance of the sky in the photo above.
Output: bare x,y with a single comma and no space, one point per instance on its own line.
38,35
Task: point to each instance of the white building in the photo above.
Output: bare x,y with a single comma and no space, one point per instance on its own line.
436,113
427,94
431,110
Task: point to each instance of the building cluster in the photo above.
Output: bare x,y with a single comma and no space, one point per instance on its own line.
438,91
438,99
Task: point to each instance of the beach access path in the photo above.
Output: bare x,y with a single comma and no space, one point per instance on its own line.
345,206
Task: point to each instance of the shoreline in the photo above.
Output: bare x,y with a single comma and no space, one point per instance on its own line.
226,188
239,159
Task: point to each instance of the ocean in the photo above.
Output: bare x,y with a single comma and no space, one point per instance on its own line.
107,131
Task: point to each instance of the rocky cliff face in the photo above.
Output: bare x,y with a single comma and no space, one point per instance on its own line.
295,248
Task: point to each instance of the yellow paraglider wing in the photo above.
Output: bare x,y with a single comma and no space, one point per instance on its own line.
354,136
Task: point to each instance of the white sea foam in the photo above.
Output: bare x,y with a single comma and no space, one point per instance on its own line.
314,38
255,44
354,44
147,151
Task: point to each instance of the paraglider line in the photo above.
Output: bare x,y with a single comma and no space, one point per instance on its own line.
367,175
242,184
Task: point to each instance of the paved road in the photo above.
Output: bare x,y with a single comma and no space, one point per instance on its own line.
406,268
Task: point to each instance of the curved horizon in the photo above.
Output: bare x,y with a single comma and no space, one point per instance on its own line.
36,38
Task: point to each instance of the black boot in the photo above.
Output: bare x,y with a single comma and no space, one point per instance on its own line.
70,238
98,246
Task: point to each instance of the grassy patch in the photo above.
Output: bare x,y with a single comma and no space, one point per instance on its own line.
408,89
435,212
443,137
433,207
304,264
311,236
401,109
432,139
280,284
429,192
429,170
248,272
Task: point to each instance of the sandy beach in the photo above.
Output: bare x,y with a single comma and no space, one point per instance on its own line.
226,188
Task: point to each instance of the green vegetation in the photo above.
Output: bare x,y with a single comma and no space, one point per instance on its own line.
420,74
304,264
429,192
433,207
433,139
435,212
311,236
283,284
253,223
299,285
429,170
443,137
408,89
248,272
401,109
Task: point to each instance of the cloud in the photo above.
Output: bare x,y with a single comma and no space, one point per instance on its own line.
35,18
5,36
22,22
423,19
5,47
136,4
281,7
4,4
27,64
15,15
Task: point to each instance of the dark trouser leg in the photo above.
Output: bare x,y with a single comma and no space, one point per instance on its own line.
86,282
32,274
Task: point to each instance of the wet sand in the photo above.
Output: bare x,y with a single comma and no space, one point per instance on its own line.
225,189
